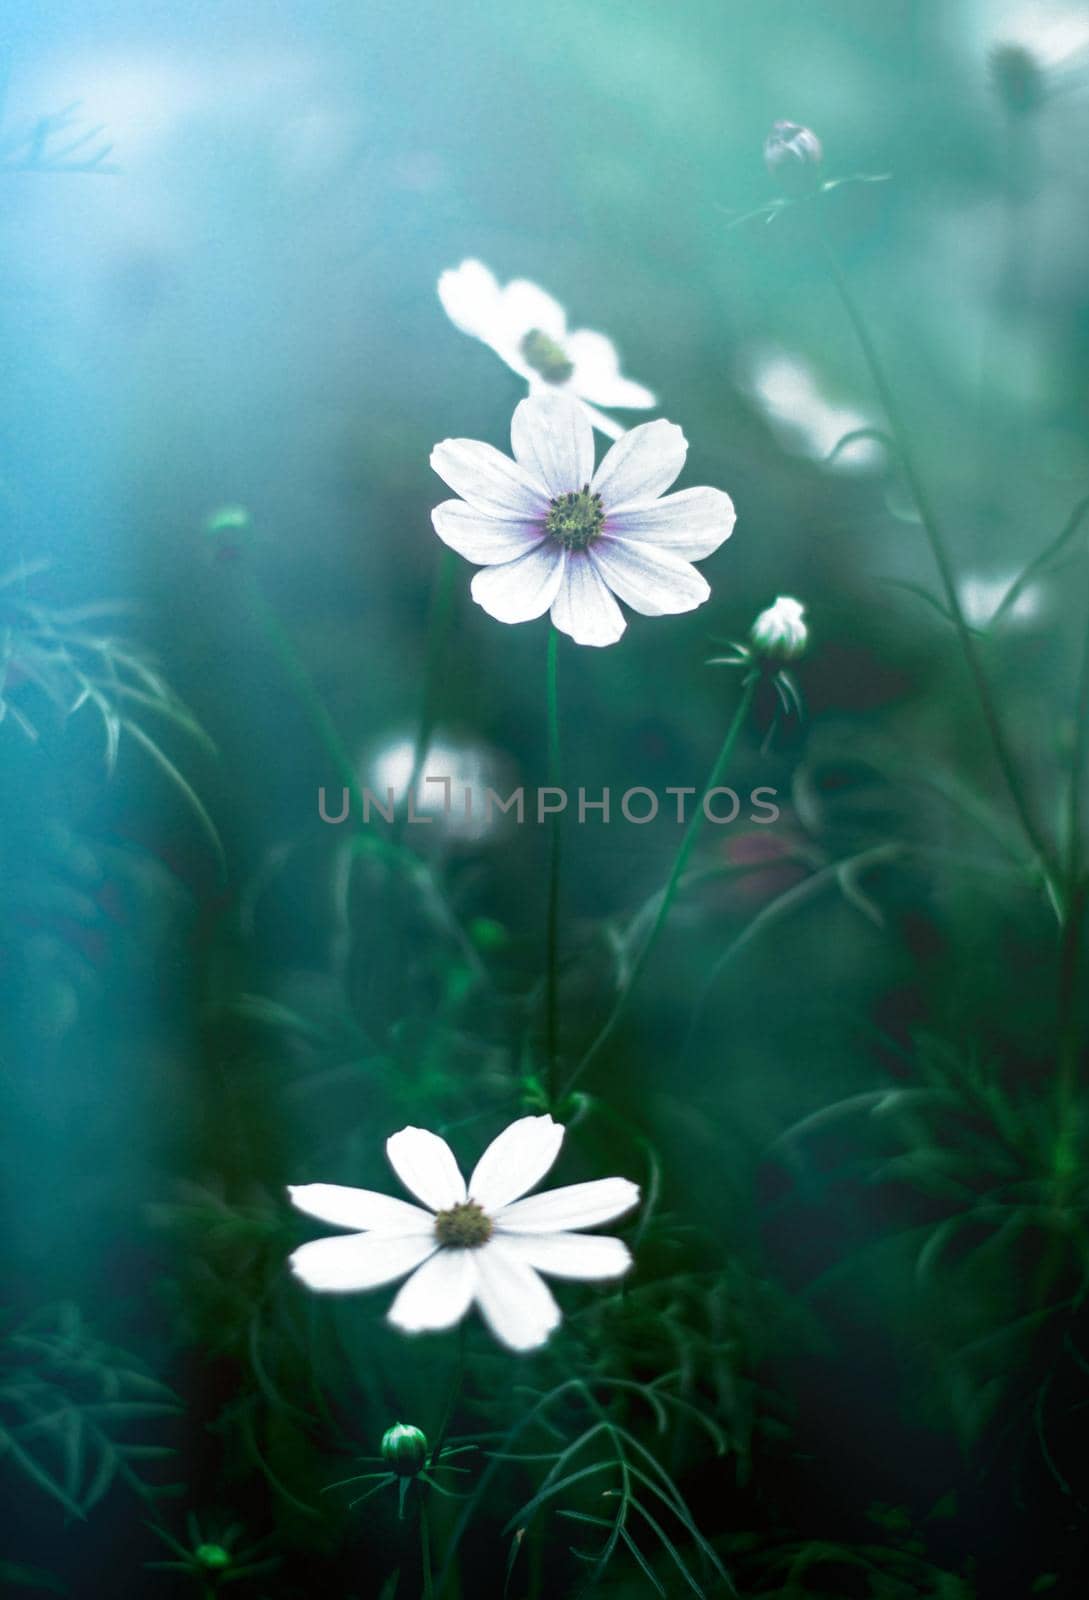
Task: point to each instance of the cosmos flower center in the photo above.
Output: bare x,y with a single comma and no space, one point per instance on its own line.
466,1226
546,357
575,519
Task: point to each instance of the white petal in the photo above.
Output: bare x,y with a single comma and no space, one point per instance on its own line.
584,608
515,1161
597,372
579,1205
567,1255
520,590
641,465
525,306
691,523
537,385
517,1305
438,1295
360,1260
551,437
358,1208
490,481
655,582
425,1164
470,297
606,425
481,538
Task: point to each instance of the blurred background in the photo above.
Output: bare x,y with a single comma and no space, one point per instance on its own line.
226,365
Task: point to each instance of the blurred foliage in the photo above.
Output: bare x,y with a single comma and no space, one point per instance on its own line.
67,1402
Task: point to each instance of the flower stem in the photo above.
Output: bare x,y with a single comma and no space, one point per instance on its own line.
440,616
451,1399
939,550
427,1589
552,958
1070,956
1077,772
299,677
669,893
452,1396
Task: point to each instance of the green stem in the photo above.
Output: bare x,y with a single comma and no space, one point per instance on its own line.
425,1549
1077,772
552,967
669,893
451,1398
303,684
939,550
440,616
1070,963
1070,956
394,853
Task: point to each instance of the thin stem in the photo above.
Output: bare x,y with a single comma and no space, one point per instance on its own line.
938,547
1077,772
669,893
298,675
294,669
425,1548
1070,961
440,616
451,1399
552,960
1070,957
452,1396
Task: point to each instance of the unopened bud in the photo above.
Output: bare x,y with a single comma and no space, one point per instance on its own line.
793,155
1017,79
228,532
405,1448
780,633
213,1557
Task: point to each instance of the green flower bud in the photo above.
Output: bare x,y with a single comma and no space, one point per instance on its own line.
405,1448
487,934
793,156
213,1557
780,633
228,532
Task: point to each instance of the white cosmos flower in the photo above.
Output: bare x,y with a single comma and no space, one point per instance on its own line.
480,1241
551,533
528,330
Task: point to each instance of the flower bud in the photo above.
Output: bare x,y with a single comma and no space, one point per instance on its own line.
405,1448
780,633
1017,79
213,1557
793,156
228,532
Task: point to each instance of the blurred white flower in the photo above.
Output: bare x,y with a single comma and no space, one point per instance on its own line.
528,330
551,533
804,419
1055,34
780,631
981,595
455,775
479,1241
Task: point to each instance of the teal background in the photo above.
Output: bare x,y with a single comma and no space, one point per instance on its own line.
244,313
